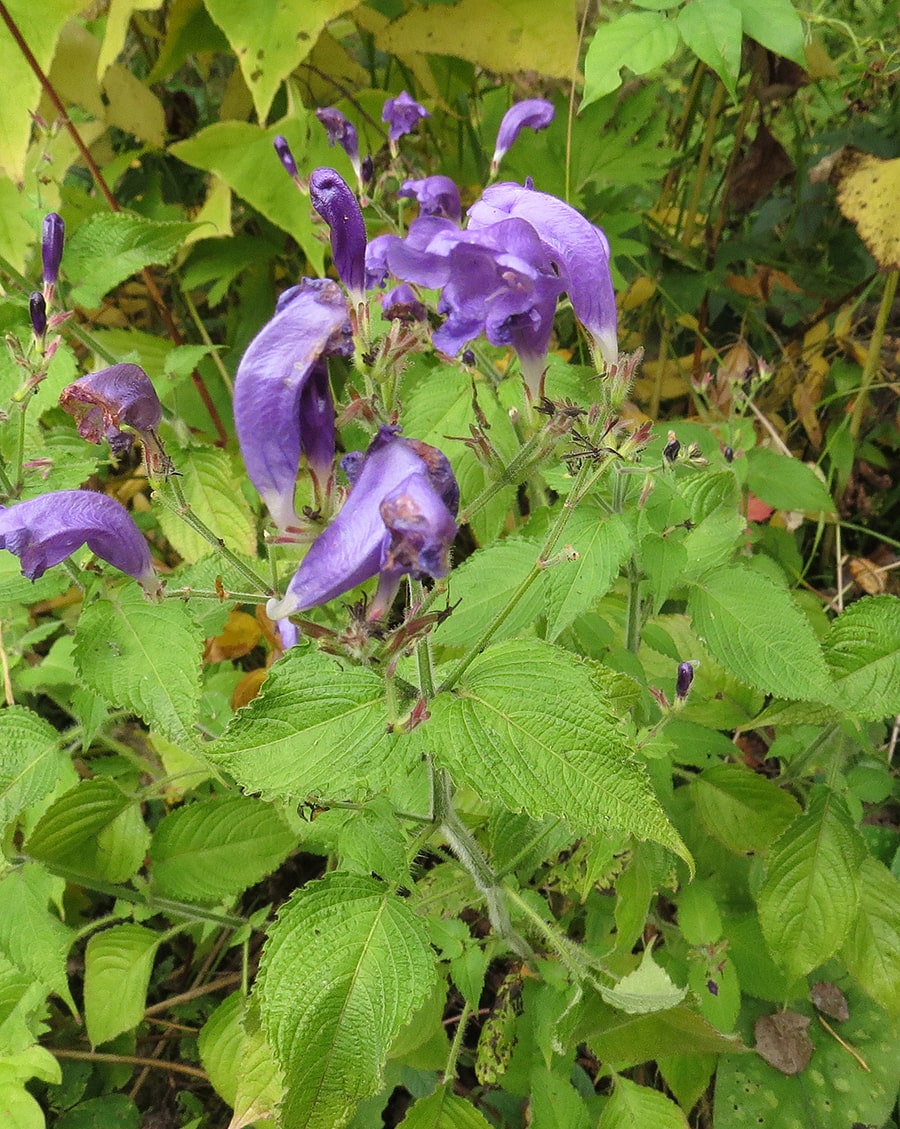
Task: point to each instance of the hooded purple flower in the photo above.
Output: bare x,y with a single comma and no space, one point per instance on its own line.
105,402
282,397
578,250
52,237
333,199
44,531
341,131
436,195
402,115
534,112
399,518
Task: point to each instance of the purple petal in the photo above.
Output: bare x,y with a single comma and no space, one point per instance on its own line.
53,235
105,402
403,304
341,131
283,149
534,112
44,531
402,114
436,196
335,202
276,417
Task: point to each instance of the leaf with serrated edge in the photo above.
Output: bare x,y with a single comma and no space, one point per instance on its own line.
872,949
863,651
638,1107
31,763
239,1063
343,970
759,634
117,967
494,733
33,938
648,988
214,495
444,1110
809,899
145,657
745,811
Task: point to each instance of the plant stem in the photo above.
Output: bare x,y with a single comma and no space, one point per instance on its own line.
132,1060
456,1045
205,594
873,357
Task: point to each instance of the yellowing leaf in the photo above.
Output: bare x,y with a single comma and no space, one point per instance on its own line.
868,190
133,107
117,21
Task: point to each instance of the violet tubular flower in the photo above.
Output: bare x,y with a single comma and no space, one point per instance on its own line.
43,531
436,196
107,402
399,519
52,237
537,113
402,115
283,406
341,131
335,202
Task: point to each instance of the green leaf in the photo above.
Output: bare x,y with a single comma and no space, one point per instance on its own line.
318,729
636,1107
216,848
628,1040
786,483
863,651
33,938
662,560
20,1109
239,1062
641,41
744,810
712,542
648,988
492,732
712,29
444,1110
776,25
759,634
809,899
872,949
271,43
344,968
112,246
145,657
117,967
31,762
213,490
372,842
94,829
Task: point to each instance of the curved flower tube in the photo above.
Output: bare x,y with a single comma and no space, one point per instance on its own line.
105,402
44,531
579,251
341,131
399,518
282,398
402,115
436,196
537,113
335,202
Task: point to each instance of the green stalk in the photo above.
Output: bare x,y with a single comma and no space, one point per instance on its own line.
712,121
456,1045
204,594
424,655
873,358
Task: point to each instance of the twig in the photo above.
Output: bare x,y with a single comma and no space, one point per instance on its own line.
831,1031
132,1060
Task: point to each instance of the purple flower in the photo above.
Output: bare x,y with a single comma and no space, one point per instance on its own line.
436,195
683,680
341,131
534,112
399,518
52,237
37,309
578,250
282,397
283,149
402,115
403,304
44,531
104,403
334,201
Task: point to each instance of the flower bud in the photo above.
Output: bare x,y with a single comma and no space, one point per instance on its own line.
283,149
333,199
672,447
52,246
683,680
37,307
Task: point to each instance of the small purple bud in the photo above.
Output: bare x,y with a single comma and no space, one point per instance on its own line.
672,447
729,454
534,112
712,987
402,115
333,199
367,170
683,680
52,246
341,131
468,358
402,304
37,307
283,149
436,196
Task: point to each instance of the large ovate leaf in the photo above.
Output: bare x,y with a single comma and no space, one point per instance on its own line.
31,761
637,1107
143,656
776,25
786,483
117,966
641,41
213,491
713,30
809,899
444,1110
493,733
758,633
863,651
344,968
33,938
743,810
317,730
872,949
626,1040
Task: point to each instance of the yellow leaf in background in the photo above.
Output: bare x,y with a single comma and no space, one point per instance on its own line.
214,216
639,292
133,107
242,633
117,21
868,195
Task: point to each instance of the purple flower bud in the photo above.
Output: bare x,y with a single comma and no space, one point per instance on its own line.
402,115
104,403
334,201
712,987
37,308
672,447
534,112
367,170
44,531
341,132
729,454
283,149
399,518
54,232
282,398
683,680
436,195
403,304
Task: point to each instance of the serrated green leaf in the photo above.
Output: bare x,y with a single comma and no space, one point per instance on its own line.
33,938
343,970
145,657
112,246
809,899
212,488
641,41
872,949
648,988
786,483
492,732
444,1110
216,848
863,651
759,634
637,1107
776,25
712,29
662,560
317,730
743,810
117,967
372,842
628,1040
240,1064
31,762
712,542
